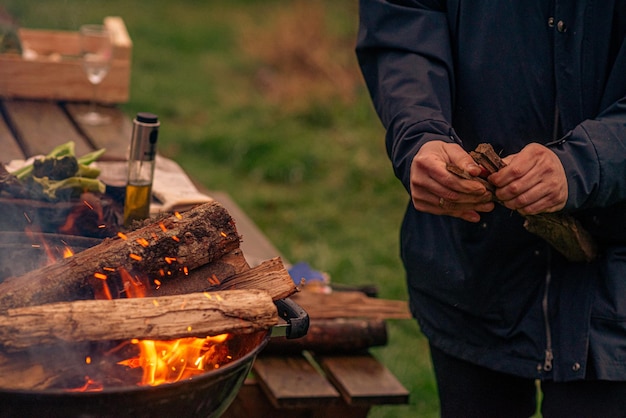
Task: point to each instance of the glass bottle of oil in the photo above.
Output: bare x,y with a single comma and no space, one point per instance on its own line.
141,162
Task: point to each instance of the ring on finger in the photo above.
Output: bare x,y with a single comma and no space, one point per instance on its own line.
441,202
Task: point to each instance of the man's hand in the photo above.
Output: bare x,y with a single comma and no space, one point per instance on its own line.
435,190
533,181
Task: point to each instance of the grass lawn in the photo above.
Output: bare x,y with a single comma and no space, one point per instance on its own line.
263,99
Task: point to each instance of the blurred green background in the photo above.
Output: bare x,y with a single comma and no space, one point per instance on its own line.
263,99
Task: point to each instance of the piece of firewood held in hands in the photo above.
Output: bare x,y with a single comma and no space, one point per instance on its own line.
537,189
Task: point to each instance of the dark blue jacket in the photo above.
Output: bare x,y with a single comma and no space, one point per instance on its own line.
510,72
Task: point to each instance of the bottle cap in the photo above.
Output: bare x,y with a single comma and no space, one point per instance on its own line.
146,117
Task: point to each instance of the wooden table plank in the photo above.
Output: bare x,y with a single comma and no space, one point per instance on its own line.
362,380
10,148
293,382
42,125
251,402
114,136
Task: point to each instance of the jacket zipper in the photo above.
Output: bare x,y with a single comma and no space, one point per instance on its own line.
549,356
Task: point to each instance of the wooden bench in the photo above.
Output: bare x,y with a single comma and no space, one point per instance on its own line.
305,385
300,384
324,386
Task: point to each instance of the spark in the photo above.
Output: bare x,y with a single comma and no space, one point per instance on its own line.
122,236
136,257
67,252
100,276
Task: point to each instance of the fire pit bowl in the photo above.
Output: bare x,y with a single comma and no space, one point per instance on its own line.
206,395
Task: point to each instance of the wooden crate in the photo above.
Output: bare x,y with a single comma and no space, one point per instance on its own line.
56,72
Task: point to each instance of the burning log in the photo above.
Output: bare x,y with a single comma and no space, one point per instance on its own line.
270,276
163,318
166,249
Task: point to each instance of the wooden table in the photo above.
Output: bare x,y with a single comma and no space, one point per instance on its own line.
294,385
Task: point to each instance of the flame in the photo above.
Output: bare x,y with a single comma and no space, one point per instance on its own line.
32,232
163,361
73,218
160,361
171,361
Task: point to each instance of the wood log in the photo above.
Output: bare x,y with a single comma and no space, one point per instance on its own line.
350,305
271,276
333,336
562,231
204,278
164,249
163,318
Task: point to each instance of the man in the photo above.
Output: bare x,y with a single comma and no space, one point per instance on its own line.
543,82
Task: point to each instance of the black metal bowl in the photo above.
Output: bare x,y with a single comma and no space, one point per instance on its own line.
205,395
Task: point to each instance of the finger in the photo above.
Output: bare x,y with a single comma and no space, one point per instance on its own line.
544,203
519,193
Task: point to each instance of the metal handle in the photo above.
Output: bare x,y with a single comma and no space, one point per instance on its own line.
297,320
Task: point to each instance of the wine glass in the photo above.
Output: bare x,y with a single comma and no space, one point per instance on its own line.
96,52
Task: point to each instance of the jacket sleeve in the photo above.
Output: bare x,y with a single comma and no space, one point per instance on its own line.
593,153
404,52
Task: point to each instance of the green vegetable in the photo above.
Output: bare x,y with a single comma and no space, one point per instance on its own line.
87,171
58,151
73,186
91,157
53,179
